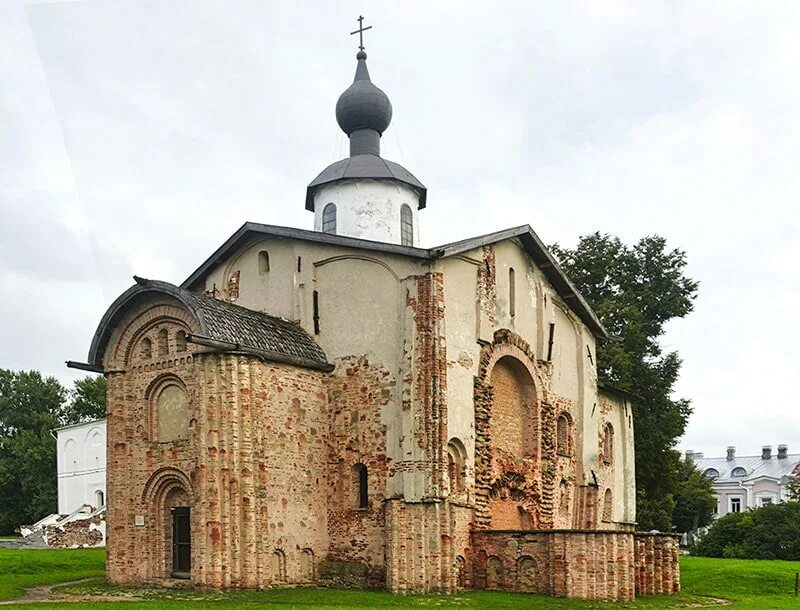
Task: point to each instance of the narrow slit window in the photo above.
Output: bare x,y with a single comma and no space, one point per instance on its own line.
406,226
329,219
608,506
263,262
550,342
512,293
180,341
163,342
315,306
360,489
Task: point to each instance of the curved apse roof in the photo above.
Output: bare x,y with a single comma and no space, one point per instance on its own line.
239,328
365,166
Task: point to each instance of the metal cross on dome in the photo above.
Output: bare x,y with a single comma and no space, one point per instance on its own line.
360,31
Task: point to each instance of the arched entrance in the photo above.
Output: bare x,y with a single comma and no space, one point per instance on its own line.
168,499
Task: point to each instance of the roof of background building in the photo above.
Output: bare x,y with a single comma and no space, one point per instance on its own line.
754,466
533,245
80,423
239,328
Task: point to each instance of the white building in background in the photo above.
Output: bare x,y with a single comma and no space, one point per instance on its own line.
81,465
742,483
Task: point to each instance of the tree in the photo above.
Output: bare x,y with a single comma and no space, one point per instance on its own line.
87,400
793,488
693,494
769,532
31,407
635,291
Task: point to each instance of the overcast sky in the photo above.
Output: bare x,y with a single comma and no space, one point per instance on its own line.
135,137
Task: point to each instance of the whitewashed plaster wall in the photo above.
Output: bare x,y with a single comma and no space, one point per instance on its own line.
620,475
81,465
368,209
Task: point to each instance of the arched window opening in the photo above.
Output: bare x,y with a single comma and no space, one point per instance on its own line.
461,572
263,262
329,219
146,349
180,341
608,444
562,435
711,473
406,226
494,573
163,342
526,574
278,566
738,472
99,499
172,414
607,506
360,489
456,467
307,565
512,293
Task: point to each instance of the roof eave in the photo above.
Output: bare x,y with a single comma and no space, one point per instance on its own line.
311,189
544,260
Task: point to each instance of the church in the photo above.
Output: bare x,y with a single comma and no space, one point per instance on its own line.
343,407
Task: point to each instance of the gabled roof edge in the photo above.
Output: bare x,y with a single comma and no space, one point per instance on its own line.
532,243
547,263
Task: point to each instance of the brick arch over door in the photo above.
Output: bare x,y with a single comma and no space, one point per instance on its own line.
513,489
166,488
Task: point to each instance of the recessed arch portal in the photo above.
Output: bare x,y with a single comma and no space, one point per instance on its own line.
167,499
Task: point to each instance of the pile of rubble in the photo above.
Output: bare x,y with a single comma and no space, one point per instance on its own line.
84,527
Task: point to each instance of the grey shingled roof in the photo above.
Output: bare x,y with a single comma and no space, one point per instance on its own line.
365,166
241,329
533,245
754,466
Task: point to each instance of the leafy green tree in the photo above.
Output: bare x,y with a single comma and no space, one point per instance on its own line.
693,494
30,407
635,291
87,400
769,532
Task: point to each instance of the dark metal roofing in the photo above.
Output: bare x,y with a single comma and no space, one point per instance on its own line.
531,242
363,105
365,166
270,337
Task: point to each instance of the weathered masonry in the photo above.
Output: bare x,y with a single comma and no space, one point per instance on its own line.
340,406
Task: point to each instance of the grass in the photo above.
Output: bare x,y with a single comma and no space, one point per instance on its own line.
749,585
20,569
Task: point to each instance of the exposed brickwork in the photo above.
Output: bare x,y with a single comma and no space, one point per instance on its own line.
268,457
358,392
250,468
515,450
583,564
657,564
430,380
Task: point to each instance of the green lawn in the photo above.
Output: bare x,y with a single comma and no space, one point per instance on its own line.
748,584
20,569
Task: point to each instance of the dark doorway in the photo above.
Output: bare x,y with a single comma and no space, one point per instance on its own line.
181,543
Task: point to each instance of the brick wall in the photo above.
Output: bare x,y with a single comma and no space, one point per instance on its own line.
250,467
657,564
565,563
